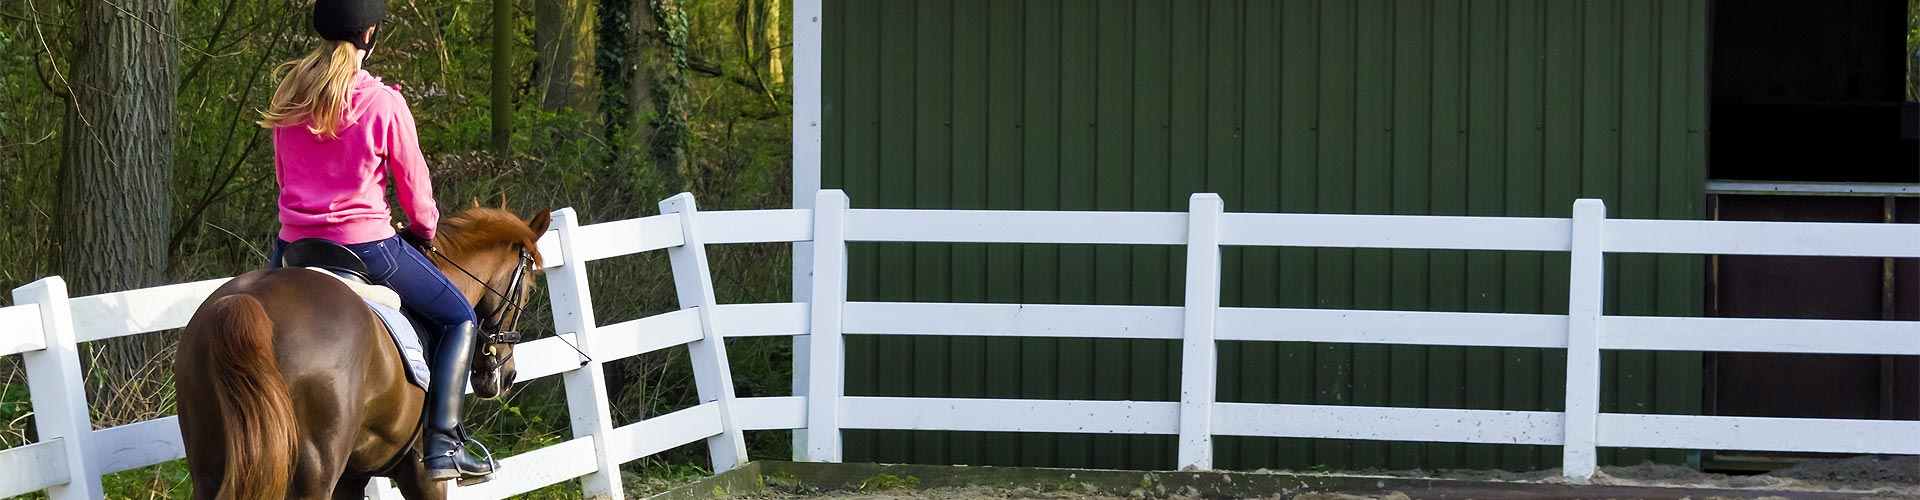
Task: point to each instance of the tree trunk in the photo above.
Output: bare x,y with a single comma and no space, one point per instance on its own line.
556,40
671,109
622,33
612,61
776,69
116,162
503,80
118,149
640,78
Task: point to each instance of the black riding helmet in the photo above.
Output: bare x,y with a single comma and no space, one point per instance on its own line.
348,20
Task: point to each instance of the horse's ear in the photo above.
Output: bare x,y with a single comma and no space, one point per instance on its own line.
539,223
476,202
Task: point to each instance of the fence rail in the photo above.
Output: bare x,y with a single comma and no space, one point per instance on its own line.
47,327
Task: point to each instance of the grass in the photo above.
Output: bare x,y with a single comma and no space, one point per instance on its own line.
647,477
16,412
165,480
887,482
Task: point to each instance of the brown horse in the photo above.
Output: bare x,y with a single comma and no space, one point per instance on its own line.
291,388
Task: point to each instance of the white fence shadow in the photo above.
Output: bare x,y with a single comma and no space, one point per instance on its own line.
68,460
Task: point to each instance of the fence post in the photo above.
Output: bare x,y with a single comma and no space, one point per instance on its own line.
381,488
587,405
711,374
808,51
1585,300
58,391
1197,365
825,360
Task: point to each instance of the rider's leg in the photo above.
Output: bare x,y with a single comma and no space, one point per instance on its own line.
273,256
445,449
429,296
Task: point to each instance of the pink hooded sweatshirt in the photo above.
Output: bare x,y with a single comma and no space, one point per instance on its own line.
336,188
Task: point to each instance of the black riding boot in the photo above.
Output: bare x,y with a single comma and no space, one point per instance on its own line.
446,451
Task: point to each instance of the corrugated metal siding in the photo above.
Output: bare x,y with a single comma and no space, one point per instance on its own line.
1482,107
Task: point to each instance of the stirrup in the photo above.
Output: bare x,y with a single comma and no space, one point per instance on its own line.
485,455
461,478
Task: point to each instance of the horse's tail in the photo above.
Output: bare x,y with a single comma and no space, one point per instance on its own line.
255,407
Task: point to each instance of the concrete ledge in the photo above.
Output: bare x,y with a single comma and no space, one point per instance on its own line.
744,480
760,477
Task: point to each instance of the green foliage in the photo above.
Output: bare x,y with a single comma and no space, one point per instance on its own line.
15,411
29,144
613,54
167,480
669,77
653,478
1913,50
886,482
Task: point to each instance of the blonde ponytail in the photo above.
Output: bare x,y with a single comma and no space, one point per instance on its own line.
313,89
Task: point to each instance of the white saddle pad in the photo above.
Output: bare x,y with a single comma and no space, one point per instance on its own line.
386,304
373,293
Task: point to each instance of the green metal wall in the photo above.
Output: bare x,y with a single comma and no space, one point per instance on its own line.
1485,107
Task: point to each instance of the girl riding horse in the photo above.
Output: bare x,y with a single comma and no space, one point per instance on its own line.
340,138
291,386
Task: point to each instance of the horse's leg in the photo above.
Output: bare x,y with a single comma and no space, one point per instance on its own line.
318,473
206,485
351,488
327,409
411,478
206,459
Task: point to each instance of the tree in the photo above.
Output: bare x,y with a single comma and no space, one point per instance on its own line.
671,108
621,33
557,38
772,25
502,80
116,167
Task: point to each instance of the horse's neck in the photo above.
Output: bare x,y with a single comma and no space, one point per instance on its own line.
472,288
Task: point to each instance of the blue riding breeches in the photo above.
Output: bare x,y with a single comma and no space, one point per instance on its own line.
425,293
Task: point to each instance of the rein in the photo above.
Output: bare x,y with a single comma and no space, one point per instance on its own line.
492,328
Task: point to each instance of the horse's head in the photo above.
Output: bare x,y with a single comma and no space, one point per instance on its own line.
491,255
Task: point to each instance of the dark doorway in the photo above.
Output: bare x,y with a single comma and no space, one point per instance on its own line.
1811,90
1811,122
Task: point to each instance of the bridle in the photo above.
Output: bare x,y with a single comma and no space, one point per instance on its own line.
499,329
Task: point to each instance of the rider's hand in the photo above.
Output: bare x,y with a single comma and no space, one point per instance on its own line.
413,238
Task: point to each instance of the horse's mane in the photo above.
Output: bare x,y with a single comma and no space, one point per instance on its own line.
480,228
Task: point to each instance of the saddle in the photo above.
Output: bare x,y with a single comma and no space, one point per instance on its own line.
336,260
333,259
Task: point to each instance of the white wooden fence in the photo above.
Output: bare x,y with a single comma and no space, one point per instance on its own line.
71,456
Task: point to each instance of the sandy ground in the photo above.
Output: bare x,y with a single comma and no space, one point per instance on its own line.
947,494
1883,475
1874,477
